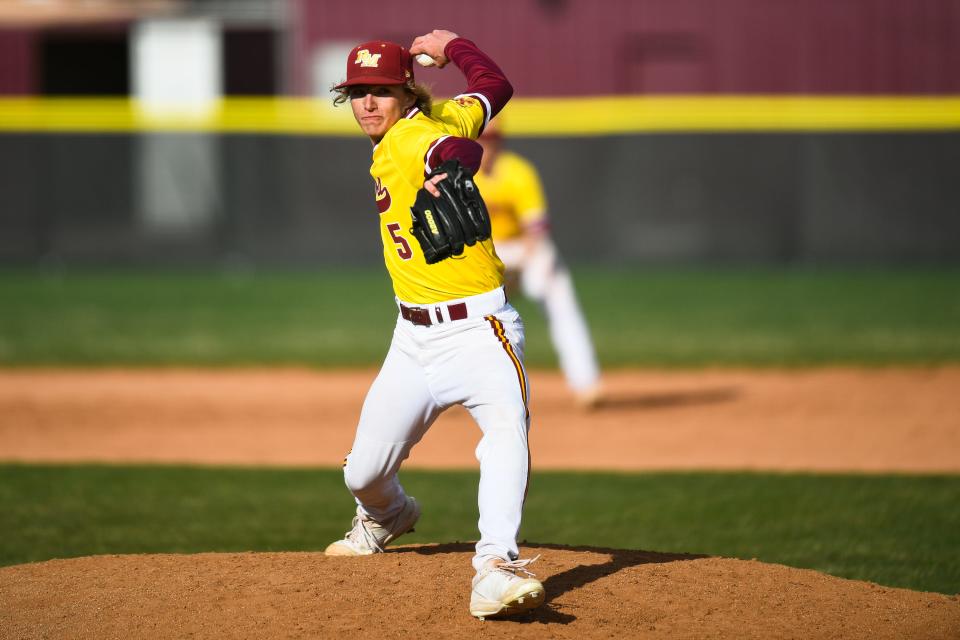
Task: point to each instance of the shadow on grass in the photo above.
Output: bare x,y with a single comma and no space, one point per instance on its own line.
561,583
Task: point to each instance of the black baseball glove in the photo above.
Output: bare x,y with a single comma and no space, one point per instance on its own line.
458,217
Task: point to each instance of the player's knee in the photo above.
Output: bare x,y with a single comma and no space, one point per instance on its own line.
360,479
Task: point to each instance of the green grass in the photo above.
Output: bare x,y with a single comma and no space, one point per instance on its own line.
345,317
194,318
894,530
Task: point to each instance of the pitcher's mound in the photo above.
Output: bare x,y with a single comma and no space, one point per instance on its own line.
423,592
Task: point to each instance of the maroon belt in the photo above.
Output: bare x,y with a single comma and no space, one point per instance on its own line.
421,315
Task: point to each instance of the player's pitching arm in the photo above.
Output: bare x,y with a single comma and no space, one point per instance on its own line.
485,80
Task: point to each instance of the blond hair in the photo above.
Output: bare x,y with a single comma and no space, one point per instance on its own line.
424,99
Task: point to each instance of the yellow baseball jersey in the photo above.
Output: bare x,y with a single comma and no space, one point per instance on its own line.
398,167
513,194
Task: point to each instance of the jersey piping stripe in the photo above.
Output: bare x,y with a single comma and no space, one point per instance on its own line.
502,337
426,158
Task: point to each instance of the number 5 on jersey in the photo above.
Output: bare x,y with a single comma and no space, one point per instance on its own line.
403,247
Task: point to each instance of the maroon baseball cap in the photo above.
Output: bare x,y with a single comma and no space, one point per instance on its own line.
378,62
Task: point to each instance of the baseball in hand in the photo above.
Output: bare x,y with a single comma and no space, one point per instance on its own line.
425,60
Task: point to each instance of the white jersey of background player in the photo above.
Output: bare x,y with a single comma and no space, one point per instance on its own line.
514,196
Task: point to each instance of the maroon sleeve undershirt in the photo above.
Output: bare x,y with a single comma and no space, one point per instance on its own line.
483,77
483,74
465,150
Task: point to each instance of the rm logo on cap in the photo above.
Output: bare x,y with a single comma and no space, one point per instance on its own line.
367,59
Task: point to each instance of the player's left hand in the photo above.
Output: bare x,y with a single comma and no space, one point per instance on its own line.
433,44
444,225
431,184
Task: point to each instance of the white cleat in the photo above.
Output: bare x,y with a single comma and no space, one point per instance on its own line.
498,591
369,536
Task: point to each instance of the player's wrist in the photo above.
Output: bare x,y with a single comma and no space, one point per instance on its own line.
452,48
446,47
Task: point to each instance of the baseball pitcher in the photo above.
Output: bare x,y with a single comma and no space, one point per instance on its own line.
457,340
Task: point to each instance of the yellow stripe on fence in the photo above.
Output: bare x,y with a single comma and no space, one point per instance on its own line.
614,115
611,115
234,115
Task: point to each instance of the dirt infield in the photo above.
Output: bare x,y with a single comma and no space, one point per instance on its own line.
422,592
902,420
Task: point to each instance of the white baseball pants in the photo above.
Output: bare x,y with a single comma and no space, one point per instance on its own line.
476,362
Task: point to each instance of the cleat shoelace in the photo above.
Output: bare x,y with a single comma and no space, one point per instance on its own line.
513,566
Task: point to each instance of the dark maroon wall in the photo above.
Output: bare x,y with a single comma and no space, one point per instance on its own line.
570,47
16,62
576,47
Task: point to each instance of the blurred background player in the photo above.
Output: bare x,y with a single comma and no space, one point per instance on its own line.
512,189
